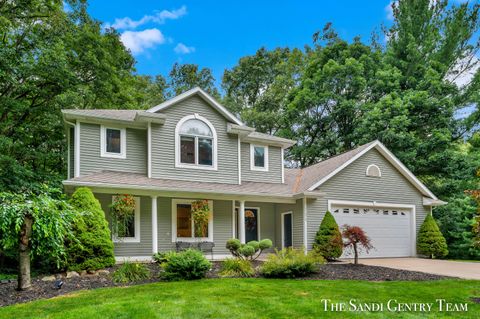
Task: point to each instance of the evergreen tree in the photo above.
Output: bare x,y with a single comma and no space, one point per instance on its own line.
430,240
94,249
328,240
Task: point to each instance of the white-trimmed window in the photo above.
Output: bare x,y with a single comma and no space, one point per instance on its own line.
183,225
195,143
133,226
258,157
113,142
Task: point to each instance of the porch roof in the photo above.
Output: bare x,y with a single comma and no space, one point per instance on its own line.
123,180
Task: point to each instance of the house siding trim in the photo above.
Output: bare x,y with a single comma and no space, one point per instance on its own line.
77,149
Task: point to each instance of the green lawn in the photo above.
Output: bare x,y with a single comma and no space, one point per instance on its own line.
248,298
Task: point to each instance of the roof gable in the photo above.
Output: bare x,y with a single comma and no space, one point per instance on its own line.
325,170
205,96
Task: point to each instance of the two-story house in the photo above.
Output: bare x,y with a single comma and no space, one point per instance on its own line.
191,148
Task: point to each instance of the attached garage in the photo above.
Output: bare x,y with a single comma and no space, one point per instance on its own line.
390,227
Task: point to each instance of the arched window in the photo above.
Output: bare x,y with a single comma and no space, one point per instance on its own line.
196,142
373,171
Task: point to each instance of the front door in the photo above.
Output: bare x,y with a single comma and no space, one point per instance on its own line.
287,230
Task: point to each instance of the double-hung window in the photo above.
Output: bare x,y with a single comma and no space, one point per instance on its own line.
113,142
258,157
196,144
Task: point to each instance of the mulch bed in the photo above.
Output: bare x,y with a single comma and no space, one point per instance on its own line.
45,289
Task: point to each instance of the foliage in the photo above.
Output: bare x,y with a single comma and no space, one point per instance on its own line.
201,215
257,88
290,263
130,272
328,240
122,212
430,241
249,251
356,239
162,257
184,77
52,59
93,247
455,221
234,267
52,221
186,265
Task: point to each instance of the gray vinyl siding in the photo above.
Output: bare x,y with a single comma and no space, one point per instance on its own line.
72,152
91,161
144,247
275,162
163,145
352,184
297,227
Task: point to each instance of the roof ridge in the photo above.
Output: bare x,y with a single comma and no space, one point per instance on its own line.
343,153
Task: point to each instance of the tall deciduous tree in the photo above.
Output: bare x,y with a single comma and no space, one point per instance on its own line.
51,59
257,88
184,77
327,106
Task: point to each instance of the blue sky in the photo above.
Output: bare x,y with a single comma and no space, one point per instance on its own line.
216,34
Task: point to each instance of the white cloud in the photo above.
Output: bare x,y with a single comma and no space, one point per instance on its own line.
158,18
467,67
389,11
138,41
183,49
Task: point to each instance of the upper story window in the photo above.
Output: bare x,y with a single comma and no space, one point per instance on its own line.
113,142
258,157
196,143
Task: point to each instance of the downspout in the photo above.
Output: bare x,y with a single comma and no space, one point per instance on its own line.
305,225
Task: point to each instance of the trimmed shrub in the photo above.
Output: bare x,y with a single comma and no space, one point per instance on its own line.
328,240
131,272
250,251
186,265
430,240
93,248
290,263
236,268
162,257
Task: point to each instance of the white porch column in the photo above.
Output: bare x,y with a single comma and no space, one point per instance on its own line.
154,225
241,222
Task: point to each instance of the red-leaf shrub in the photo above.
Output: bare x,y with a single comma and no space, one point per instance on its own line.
355,239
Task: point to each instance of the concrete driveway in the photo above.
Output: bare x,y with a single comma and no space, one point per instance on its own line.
466,270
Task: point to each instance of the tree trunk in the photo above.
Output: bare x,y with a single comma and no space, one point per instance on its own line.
24,282
356,253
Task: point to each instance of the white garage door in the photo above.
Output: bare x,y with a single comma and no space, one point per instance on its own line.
389,229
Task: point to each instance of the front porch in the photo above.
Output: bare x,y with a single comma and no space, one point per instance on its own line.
162,222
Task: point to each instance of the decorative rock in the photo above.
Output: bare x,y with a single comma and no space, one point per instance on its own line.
72,274
83,273
49,278
91,272
4,281
102,272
